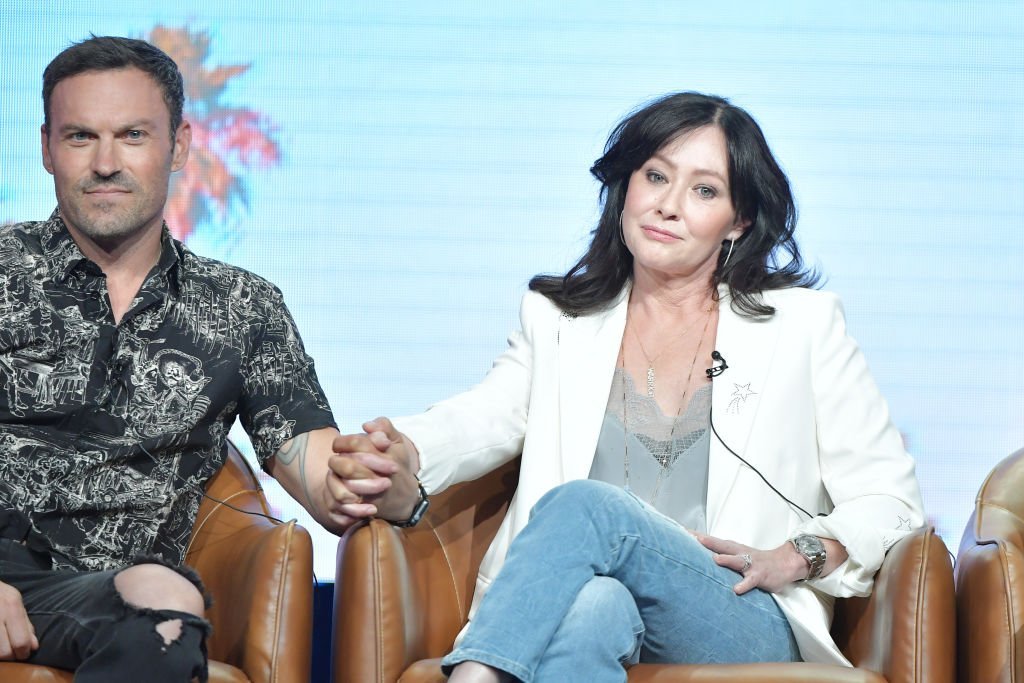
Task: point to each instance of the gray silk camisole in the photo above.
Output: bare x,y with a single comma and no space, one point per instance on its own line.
682,464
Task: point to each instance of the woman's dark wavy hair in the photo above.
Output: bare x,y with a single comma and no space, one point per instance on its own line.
766,256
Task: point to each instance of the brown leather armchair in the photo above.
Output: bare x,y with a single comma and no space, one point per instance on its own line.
260,574
402,595
990,579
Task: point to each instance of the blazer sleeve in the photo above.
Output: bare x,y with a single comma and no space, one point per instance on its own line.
470,434
867,472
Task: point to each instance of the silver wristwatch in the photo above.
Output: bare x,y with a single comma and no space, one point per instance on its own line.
813,551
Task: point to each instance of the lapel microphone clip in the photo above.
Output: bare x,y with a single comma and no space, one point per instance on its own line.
716,370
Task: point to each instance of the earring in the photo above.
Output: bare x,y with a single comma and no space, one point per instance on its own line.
622,234
731,243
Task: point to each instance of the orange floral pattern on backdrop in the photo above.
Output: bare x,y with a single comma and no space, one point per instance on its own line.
227,142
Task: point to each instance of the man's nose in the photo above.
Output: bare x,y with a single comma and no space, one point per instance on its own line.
106,160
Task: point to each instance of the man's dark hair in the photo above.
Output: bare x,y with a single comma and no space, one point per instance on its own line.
104,53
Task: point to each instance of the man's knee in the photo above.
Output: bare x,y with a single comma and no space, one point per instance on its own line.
156,587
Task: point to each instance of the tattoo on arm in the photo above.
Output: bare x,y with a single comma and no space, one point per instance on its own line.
287,454
292,447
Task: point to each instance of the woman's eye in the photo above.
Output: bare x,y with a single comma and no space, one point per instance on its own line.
705,192
655,177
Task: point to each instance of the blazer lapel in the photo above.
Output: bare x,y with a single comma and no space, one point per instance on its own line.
748,348
588,347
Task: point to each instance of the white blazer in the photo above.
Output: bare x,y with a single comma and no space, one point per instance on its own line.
797,402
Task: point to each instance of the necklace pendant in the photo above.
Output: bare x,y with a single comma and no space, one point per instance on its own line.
650,381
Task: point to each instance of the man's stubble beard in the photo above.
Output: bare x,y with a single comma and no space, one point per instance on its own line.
107,222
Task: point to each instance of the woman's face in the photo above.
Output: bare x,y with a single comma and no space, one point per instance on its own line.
679,208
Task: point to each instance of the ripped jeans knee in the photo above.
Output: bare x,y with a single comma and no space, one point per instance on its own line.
166,642
182,570
85,625
123,648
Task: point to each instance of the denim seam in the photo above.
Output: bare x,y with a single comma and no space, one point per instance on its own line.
507,665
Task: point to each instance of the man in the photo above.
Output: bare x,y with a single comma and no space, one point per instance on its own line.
124,360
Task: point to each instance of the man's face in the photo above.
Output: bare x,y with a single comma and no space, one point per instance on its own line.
110,151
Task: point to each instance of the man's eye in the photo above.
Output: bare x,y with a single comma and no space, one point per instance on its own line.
134,135
79,136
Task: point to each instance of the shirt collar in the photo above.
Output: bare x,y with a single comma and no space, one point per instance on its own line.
63,255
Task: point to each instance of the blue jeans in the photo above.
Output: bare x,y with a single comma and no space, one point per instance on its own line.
599,580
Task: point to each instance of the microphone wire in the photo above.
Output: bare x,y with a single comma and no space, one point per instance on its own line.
754,469
716,371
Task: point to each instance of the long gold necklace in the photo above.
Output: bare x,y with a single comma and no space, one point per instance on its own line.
664,465
650,361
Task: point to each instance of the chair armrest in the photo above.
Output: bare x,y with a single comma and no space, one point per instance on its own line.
395,601
376,630
989,590
402,595
906,629
990,612
19,672
259,573
429,671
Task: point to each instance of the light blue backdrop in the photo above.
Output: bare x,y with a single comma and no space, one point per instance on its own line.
434,156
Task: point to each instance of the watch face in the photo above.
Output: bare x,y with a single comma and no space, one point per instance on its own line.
810,544
813,550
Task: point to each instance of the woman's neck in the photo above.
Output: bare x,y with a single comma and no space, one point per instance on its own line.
666,299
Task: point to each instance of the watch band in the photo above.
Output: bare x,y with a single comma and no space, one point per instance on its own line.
418,511
813,551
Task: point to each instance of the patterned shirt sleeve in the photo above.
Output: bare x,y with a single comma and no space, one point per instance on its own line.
281,395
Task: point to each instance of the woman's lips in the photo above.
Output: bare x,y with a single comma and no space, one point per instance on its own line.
658,234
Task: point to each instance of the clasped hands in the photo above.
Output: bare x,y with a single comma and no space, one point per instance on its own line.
373,474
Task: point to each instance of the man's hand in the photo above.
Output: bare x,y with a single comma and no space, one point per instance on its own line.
17,636
385,452
343,479
302,466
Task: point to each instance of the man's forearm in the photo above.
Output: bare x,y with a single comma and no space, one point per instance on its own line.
295,451
300,466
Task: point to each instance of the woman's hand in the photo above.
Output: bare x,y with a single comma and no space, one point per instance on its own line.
381,452
769,570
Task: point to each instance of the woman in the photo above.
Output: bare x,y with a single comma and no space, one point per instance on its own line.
706,461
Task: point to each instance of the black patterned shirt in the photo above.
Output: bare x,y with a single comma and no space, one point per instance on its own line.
109,432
